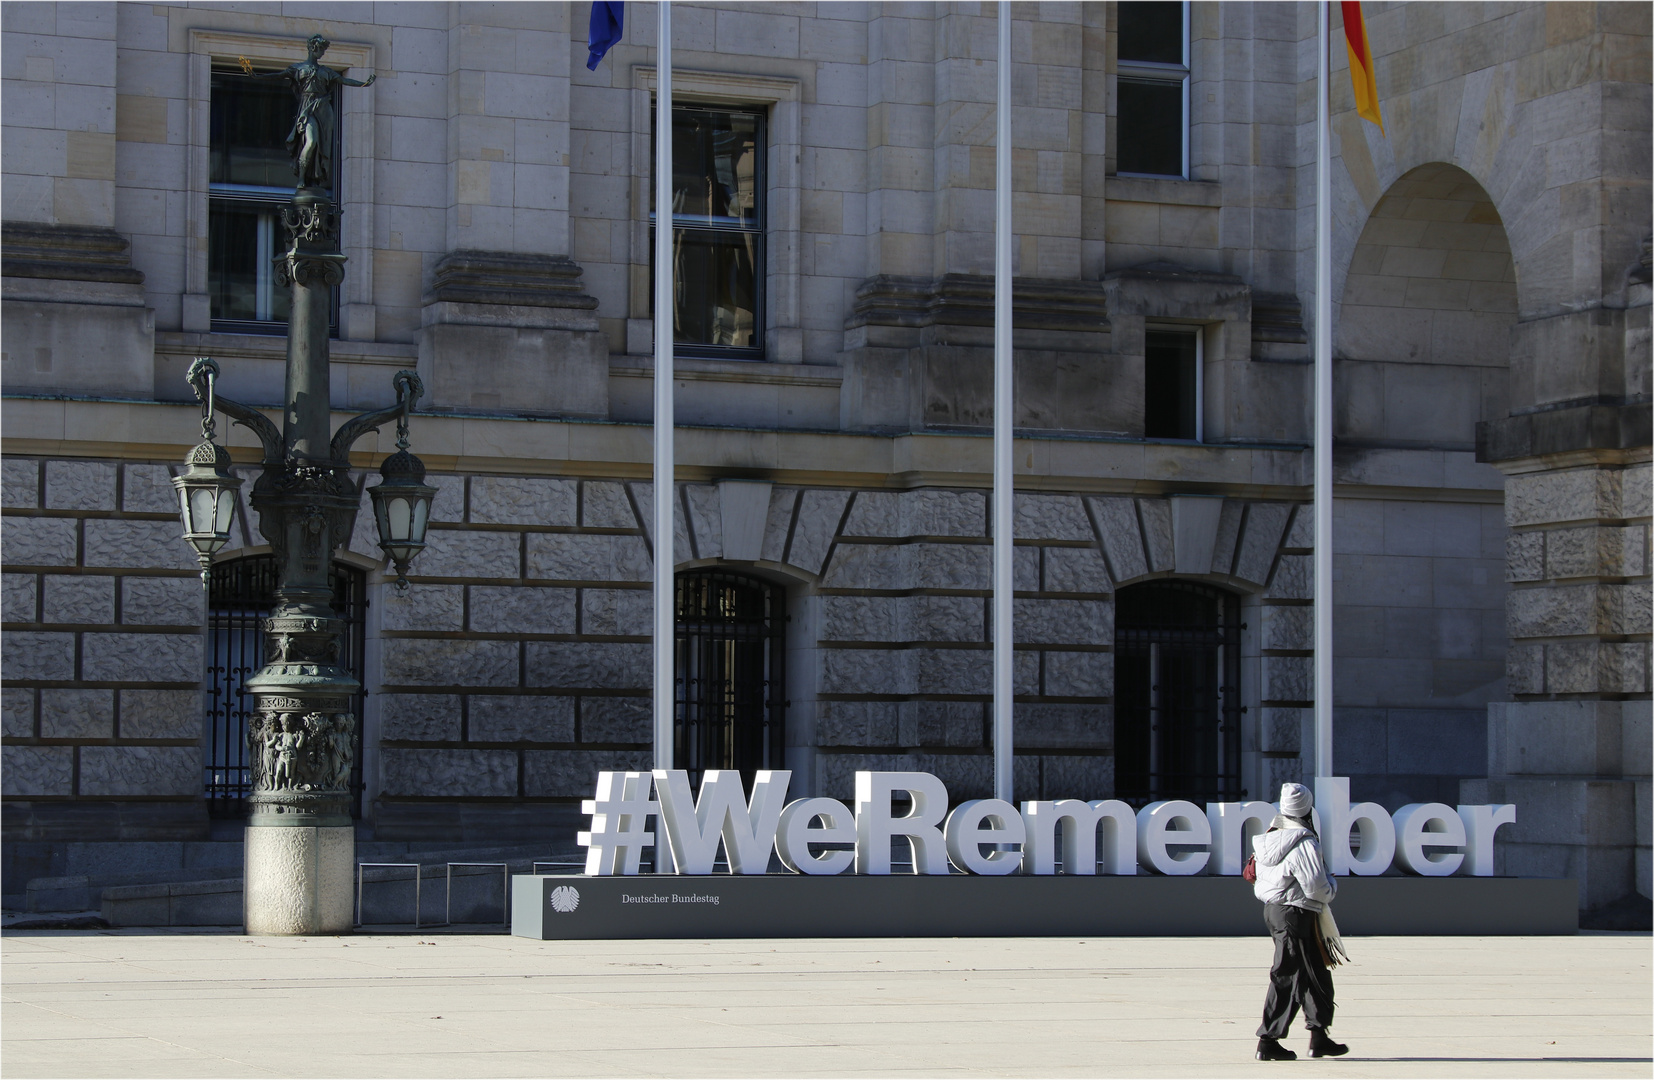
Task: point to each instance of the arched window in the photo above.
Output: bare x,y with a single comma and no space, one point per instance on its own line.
241,595
1177,705
731,646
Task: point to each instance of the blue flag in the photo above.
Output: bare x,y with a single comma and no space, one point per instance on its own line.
607,18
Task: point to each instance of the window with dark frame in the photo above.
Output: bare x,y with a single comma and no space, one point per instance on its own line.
1171,385
250,179
1152,113
717,232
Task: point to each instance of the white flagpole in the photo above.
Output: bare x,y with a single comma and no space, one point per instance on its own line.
1323,405
1004,491
665,611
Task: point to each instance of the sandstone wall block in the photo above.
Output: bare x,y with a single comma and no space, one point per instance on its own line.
1280,731
1294,578
1300,535
862,671
33,654
948,671
1063,622
17,597
1525,669
160,714
474,774
77,714
567,774
147,489
588,665
522,500
39,541
1560,610
78,600
1525,556
588,557
419,717
1265,524
942,723
1079,674
38,770
615,720
617,612
940,618
603,505
1076,570
857,618
819,512
423,607
470,554
1077,777
445,662
1288,627
512,609
1052,517
1567,495
705,519
139,545
927,512
946,566
778,523
864,566
20,483
1156,515
521,718
857,723
875,513
80,485
17,712
161,601
1116,520
1288,678
141,770
1229,525
1043,726
141,658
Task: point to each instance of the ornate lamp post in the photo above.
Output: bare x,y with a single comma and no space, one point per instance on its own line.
300,851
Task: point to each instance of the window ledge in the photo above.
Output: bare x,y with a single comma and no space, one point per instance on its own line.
1151,189
231,346
697,369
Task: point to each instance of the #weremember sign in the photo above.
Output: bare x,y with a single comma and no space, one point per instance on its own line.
990,837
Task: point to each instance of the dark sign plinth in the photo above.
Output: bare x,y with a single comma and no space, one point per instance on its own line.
552,907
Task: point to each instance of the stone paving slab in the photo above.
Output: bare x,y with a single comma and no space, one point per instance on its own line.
145,1004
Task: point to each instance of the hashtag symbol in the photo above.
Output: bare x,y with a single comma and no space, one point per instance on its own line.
618,814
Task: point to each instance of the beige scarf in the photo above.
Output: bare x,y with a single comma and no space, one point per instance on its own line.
1332,945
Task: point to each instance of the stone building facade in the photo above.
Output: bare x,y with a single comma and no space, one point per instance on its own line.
1491,299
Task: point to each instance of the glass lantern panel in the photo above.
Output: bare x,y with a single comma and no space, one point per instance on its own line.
226,510
400,514
201,511
422,511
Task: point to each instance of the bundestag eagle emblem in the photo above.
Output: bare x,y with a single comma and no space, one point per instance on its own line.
565,898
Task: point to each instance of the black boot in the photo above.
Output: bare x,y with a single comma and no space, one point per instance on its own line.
1272,1050
1321,1045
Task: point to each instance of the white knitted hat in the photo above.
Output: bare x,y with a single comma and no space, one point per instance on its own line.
1296,800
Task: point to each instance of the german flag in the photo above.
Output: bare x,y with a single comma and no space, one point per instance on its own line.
1363,76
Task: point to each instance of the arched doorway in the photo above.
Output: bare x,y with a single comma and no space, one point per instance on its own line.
239,597
731,684
1177,703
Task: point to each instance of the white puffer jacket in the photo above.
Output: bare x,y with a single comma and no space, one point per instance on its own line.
1291,870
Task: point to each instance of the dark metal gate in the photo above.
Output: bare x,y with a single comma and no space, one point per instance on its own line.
241,595
1177,704
730,681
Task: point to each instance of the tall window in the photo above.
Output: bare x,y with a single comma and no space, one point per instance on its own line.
717,232
1177,703
730,687
251,179
1153,100
1171,385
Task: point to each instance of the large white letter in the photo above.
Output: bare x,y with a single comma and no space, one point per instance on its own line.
616,840
1414,835
875,828
1234,824
1480,823
722,811
1079,821
1378,832
1174,821
966,834
797,833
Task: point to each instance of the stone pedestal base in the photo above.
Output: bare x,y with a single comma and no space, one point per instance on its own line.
299,880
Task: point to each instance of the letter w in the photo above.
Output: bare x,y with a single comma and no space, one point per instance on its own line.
748,831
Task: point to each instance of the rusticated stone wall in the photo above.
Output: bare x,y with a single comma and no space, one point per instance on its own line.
102,654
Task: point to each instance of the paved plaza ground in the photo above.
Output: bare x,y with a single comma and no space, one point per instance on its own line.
125,1003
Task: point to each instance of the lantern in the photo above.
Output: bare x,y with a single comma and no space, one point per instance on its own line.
207,496
402,508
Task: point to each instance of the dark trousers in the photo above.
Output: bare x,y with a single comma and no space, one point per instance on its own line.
1298,976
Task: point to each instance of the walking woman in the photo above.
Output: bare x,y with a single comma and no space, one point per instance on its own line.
1294,887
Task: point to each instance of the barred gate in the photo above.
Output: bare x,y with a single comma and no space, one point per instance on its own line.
1177,703
729,678
242,593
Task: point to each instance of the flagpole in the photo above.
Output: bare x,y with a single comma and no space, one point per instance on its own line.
665,611
1004,491
1323,402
